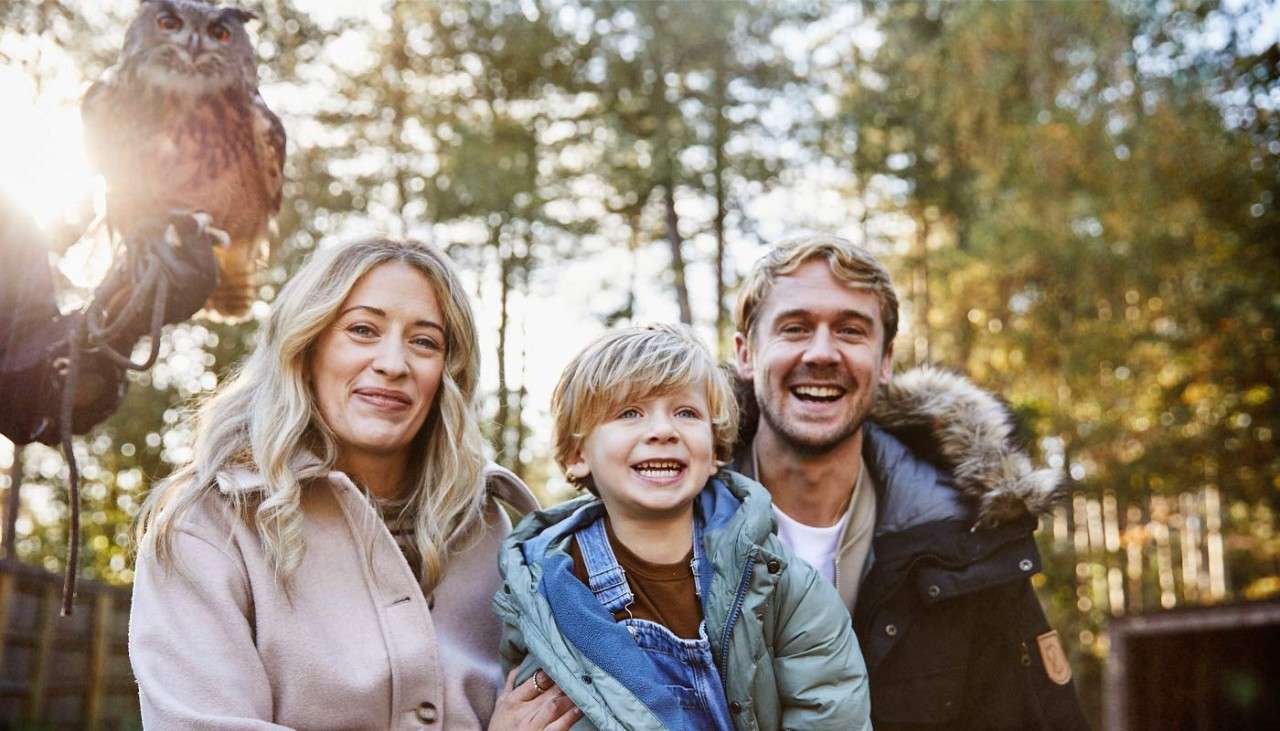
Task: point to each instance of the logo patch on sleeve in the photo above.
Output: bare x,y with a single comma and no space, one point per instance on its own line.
1055,659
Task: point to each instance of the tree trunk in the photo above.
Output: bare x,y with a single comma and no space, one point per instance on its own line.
923,341
666,174
677,254
634,245
721,138
400,109
516,458
500,421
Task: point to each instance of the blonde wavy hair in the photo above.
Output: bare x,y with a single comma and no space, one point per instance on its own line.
632,364
265,418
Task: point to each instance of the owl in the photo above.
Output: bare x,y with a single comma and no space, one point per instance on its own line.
178,124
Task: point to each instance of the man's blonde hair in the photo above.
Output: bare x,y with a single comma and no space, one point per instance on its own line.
632,364
849,263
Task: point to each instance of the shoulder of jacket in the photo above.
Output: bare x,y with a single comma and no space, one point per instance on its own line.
946,418
505,485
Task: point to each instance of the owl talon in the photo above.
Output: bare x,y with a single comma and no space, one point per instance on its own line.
171,236
202,219
222,237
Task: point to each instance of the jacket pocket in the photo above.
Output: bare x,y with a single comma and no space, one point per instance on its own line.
928,698
923,677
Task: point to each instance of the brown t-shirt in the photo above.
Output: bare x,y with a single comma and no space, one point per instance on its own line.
664,593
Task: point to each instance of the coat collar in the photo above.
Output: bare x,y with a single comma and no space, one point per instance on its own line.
242,480
500,482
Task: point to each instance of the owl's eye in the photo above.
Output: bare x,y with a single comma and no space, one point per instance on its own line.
169,22
219,33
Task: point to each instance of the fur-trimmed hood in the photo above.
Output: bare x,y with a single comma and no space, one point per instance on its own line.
963,431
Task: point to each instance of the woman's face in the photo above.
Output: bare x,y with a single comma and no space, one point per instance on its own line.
377,368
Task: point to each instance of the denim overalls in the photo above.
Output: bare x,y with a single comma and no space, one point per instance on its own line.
686,667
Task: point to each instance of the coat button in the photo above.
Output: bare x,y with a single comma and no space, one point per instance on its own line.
773,565
934,591
1025,564
891,630
735,708
427,712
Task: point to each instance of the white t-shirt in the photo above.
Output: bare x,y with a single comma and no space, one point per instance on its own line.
817,546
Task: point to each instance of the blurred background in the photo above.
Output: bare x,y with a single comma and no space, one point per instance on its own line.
1077,201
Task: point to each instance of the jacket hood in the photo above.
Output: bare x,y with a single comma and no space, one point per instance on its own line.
963,431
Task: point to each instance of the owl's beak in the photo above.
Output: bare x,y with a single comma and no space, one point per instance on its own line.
193,45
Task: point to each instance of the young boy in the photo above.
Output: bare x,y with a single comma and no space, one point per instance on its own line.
663,600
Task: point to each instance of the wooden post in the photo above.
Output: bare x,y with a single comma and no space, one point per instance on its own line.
99,649
13,503
42,651
7,582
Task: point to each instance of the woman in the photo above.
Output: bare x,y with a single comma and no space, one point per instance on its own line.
327,558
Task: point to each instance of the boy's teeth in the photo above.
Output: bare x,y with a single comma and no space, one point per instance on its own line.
658,469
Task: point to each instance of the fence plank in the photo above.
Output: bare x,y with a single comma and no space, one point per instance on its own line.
99,649
42,652
7,582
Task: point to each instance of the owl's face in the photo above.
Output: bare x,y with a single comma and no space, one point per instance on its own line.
190,46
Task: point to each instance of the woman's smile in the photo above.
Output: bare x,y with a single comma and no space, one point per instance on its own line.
385,399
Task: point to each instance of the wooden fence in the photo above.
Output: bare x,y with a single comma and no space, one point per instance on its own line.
63,672
1195,667
1157,553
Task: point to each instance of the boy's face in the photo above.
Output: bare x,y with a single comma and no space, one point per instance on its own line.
650,458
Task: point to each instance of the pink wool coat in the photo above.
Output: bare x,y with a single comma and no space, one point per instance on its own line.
216,642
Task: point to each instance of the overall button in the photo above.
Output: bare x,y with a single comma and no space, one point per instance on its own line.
891,630
934,591
773,565
735,707
1025,564
427,712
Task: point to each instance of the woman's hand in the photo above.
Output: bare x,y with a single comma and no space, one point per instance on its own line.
537,704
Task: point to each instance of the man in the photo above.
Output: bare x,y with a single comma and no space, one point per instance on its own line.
906,493
35,336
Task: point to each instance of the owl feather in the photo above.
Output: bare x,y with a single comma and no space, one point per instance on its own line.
178,124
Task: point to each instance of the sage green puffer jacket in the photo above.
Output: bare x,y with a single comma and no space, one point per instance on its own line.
781,637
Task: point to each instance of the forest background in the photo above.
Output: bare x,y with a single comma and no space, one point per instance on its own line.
1078,201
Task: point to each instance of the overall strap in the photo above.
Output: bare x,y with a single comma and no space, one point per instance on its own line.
604,575
702,570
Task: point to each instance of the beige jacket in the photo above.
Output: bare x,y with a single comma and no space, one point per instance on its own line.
215,642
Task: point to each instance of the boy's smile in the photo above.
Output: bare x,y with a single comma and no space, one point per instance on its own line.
651,457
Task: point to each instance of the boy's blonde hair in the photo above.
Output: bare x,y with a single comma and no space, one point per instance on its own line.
632,364
849,262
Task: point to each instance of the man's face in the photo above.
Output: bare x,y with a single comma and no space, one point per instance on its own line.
816,358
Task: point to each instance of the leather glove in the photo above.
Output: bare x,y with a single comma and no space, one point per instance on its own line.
182,245
188,263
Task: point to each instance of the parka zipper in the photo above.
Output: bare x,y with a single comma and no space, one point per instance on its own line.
734,610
